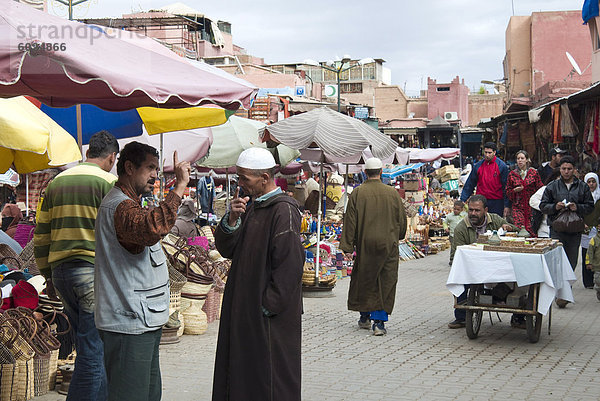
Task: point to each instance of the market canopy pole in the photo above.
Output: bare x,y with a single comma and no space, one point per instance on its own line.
162,167
318,259
346,190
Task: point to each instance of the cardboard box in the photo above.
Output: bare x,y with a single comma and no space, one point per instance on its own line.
411,185
446,169
415,197
452,175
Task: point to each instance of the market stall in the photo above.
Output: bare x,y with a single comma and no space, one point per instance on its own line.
536,270
324,135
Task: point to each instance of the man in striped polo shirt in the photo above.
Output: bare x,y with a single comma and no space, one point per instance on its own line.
65,251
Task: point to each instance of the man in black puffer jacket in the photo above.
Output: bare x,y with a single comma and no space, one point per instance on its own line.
578,198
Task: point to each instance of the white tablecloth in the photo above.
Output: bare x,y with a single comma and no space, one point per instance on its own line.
473,265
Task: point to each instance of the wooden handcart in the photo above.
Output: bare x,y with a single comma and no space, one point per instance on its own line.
477,303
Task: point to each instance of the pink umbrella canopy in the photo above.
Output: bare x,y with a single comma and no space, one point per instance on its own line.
432,154
63,63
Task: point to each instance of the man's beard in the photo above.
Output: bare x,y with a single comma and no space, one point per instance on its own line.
476,221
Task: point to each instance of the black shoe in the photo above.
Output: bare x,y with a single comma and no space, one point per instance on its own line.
364,323
518,322
561,303
379,328
456,324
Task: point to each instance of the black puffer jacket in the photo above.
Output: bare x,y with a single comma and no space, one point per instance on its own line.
557,191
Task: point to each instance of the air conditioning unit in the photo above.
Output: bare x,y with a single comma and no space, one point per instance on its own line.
450,115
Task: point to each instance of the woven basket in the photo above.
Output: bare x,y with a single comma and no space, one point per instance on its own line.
19,346
9,257
25,383
8,381
41,375
8,370
52,369
176,278
174,301
195,318
27,252
185,303
212,305
24,232
195,291
28,259
207,232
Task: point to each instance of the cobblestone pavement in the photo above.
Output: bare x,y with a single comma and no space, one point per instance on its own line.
419,358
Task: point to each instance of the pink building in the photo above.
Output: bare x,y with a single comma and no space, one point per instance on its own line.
536,68
448,100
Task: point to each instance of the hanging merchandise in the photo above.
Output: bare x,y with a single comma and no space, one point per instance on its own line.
568,127
556,133
588,129
595,141
527,137
504,135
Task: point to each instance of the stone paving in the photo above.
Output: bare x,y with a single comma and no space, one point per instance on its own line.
419,358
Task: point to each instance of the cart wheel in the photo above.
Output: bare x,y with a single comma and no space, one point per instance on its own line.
473,318
533,322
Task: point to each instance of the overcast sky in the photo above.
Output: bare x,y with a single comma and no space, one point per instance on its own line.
436,38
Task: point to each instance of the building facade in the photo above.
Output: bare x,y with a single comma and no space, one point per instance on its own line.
536,67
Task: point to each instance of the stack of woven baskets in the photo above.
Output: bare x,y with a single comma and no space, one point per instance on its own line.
28,355
200,293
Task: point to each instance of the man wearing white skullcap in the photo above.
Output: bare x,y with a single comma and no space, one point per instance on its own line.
374,222
258,350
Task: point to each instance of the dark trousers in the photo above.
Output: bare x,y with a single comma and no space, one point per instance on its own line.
496,206
587,276
132,365
571,242
461,314
74,281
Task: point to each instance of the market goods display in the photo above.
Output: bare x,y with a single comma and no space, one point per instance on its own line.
198,273
519,245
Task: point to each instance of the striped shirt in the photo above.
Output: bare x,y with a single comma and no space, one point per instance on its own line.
65,224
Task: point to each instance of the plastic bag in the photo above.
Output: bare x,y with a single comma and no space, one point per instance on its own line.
568,221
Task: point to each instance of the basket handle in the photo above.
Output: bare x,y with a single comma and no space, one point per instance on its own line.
19,264
8,326
69,327
46,314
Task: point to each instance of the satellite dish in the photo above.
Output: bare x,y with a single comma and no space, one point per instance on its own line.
573,63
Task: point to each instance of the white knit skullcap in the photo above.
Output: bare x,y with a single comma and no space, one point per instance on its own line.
256,159
373,164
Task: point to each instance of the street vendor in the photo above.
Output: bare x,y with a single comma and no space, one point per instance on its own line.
477,222
131,280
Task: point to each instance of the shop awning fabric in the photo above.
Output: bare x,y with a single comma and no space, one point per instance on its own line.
127,124
113,69
432,154
399,170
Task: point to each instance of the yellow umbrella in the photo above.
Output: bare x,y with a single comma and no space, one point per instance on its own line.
158,121
30,140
